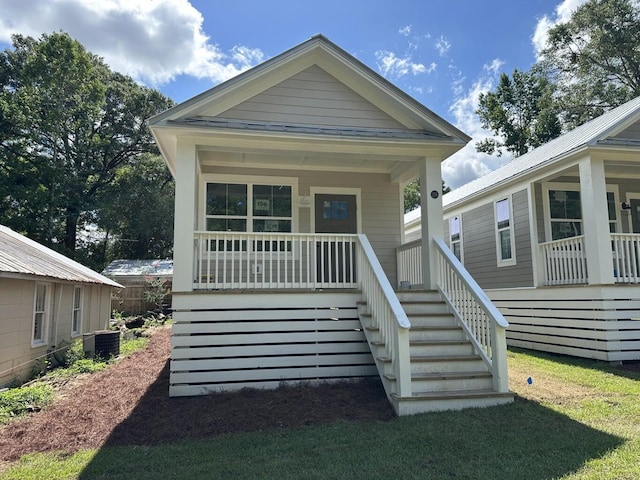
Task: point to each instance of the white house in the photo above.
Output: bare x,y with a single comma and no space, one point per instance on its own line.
289,181
554,239
46,299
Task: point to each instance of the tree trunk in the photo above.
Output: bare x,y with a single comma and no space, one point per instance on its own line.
70,234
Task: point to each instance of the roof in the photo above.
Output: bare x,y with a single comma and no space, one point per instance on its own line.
21,256
123,267
203,115
593,133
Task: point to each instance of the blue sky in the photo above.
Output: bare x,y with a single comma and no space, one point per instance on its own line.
444,53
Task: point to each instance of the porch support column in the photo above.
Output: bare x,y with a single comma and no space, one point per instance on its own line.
431,220
185,215
595,222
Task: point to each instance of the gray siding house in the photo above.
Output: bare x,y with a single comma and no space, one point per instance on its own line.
554,238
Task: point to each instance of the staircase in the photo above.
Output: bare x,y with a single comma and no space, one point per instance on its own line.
446,372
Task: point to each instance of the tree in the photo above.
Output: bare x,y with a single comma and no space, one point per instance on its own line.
71,125
144,186
596,57
521,111
412,194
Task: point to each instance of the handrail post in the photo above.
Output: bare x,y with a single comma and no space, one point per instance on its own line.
499,354
402,365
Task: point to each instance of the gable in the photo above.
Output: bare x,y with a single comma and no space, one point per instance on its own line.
632,132
311,97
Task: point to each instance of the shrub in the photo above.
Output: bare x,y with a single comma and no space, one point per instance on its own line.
22,400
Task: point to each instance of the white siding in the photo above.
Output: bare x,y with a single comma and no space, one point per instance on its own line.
590,322
231,341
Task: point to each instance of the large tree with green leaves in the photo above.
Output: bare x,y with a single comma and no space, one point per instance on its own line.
596,58
69,125
521,112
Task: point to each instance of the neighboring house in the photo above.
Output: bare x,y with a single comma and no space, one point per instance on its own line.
554,238
46,299
289,181
137,276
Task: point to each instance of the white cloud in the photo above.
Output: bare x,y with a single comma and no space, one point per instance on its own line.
467,164
443,46
406,31
563,13
151,40
395,67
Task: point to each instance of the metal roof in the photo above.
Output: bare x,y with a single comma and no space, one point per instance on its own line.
594,132
21,256
117,268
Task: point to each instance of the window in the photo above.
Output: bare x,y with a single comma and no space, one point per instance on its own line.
249,207
455,240
504,233
565,210
40,314
76,318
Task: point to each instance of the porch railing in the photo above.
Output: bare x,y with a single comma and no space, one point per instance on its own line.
236,260
626,257
409,262
387,315
480,319
564,261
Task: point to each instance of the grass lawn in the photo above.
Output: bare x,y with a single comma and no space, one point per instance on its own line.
577,419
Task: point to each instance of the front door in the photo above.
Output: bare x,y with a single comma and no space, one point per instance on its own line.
335,213
635,214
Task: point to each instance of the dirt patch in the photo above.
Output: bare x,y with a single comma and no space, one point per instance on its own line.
128,404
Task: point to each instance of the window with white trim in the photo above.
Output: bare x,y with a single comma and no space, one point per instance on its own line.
505,238
455,236
76,314
249,207
565,211
40,314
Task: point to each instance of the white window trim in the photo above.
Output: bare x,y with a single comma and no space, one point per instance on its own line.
246,180
78,331
313,191
451,241
574,187
45,315
512,237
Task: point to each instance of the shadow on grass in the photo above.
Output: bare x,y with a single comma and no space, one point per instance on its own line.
288,439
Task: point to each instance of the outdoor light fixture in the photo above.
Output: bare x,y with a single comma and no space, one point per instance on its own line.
625,206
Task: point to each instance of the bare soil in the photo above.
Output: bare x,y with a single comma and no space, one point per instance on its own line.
129,404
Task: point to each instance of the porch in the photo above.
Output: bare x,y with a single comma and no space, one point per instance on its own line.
286,307
565,260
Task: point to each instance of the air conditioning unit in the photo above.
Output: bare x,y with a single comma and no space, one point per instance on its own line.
101,343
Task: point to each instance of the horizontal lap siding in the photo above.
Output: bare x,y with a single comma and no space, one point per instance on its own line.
599,323
479,246
231,341
313,97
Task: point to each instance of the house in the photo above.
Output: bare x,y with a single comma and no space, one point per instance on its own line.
46,300
288,216
554,239
138,276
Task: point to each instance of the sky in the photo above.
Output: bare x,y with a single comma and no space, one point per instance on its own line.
443,53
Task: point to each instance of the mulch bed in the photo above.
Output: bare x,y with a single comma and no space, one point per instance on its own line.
129,404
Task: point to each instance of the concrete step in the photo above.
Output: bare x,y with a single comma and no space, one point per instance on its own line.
440,401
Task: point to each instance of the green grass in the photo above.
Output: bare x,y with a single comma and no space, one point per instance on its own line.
18,401
577,420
